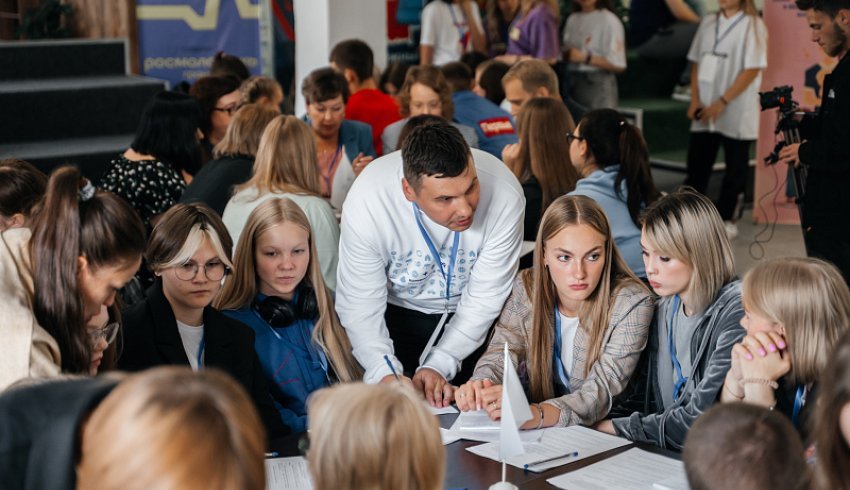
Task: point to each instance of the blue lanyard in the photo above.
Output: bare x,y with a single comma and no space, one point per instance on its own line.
563,376
327,177
201,348
447,275
799,401
719,37
680,380
463,37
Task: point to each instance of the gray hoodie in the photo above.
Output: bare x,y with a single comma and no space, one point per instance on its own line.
711,349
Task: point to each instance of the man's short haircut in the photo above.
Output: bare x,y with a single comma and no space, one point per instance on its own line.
533,74
739,445
458,75
355,55
829,7
324,84
434,149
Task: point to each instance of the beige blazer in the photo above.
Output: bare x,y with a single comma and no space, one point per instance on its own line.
26,349
592,387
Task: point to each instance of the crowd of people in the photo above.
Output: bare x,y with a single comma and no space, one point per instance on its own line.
263,274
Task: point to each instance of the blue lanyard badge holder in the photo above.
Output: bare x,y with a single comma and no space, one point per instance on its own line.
447,276
680,380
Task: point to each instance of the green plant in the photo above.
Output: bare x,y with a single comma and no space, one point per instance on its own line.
47,21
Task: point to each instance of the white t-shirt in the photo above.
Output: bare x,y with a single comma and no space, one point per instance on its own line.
569,327
742,45
191,337
445,28
383,258
320,214
601,33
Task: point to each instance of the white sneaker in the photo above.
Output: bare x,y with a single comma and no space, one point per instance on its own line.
731,229
682,93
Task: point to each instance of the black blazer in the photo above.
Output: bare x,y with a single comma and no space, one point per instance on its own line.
151,339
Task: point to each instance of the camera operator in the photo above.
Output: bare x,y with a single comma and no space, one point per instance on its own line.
825,149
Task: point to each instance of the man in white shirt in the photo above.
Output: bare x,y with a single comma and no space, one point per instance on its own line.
435,216
450,28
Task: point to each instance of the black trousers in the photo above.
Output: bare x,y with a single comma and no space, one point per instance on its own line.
702,153
831,247
410,331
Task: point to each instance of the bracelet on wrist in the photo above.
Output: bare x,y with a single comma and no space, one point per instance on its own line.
540,411
723,99
759,381
734,395
589,57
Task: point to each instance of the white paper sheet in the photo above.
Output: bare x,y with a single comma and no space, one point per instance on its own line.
288,474
448,437
441,411
477,426
562,441
634,469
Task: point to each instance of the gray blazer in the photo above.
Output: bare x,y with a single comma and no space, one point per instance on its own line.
711,353
592,387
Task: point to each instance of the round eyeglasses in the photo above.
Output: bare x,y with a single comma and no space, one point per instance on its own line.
107,333
214,271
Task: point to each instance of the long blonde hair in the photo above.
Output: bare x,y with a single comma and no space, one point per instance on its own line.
374,437
169,427
810,299
239,291
686,226
286,159
595,312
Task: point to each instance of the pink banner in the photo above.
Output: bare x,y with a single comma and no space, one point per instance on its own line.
792,59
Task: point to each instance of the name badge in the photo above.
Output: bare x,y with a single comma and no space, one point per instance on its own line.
514,34
707,70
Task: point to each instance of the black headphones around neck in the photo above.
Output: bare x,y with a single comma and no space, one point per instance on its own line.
279,312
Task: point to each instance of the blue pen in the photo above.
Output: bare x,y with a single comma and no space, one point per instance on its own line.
392,368
573,454
272,454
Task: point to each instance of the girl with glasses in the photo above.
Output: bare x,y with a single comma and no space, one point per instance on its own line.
103,331
279,292
189,253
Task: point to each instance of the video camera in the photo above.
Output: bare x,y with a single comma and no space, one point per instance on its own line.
778,97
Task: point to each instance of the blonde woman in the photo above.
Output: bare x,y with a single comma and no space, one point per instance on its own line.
795,310
147,434
233,158
286,167
576,323
166,428
425,91
689,263
374,437
279,292
261,90
189,253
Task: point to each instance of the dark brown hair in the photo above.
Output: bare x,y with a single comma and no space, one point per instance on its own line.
491,80
833,456
324,84
207,91
739,445
224,64
458,75
173,229
613,141
354,55
21,187
104,229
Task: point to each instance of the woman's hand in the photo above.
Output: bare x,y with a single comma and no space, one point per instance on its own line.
510,155
360,162
492,401
606,426
763,355
468,396
713,111
695,110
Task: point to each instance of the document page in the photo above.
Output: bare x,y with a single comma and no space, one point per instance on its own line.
556,447
442,410
288,474
634,469
477,426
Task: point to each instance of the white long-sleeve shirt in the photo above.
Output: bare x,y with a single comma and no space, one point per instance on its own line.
384,258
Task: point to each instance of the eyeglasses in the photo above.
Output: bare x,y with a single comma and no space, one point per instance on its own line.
213,270
229,109
107,333
571,137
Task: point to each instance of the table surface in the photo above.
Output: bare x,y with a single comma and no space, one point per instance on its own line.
465,470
